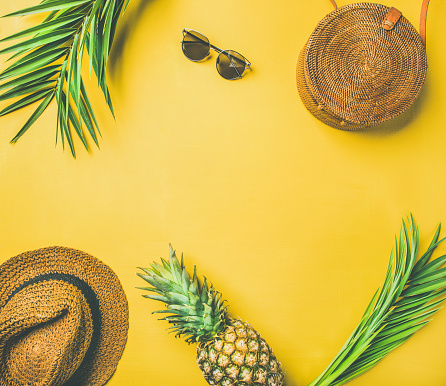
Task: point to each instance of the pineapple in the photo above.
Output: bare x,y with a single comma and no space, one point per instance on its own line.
229,351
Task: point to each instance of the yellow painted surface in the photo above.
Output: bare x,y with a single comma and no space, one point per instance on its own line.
292,220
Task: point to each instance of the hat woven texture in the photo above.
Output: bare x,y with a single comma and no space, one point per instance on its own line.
63,319
353,74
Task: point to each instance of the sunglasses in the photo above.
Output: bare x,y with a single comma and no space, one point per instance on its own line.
230,64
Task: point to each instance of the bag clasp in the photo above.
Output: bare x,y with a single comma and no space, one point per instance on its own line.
391,19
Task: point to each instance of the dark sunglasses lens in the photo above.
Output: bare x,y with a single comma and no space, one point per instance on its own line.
230,64
195,45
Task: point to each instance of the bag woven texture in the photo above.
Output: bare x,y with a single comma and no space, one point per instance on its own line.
63,319
353,74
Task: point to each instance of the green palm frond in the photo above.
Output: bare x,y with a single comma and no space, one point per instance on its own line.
412,292
48,63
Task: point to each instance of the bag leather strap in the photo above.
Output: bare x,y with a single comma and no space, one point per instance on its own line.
423,17
423,20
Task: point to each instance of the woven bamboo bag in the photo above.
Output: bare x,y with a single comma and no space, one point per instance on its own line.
363,65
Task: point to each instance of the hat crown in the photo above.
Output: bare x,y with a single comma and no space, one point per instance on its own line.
45,331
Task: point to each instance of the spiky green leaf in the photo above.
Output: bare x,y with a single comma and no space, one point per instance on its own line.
197,311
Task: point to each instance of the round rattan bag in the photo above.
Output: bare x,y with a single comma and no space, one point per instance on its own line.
363,65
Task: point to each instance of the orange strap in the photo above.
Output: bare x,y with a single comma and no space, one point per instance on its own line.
423,20
423,17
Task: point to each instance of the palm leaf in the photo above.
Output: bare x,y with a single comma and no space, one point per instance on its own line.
54,5
39,40
49,97
44,27
411,293
35,76
47,64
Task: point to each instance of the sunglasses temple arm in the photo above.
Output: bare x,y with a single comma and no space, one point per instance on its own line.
215,48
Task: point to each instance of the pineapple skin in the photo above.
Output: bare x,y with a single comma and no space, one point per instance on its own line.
239,356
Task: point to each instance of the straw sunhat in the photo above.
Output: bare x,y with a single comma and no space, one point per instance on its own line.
63,319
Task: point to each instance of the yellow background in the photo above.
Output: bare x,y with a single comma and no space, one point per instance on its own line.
292,220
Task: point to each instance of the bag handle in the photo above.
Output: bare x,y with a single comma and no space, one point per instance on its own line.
423,17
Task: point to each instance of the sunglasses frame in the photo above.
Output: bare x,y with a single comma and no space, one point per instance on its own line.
246,62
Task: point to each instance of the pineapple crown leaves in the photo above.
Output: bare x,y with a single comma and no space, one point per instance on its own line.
48,64
197,311
412,292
